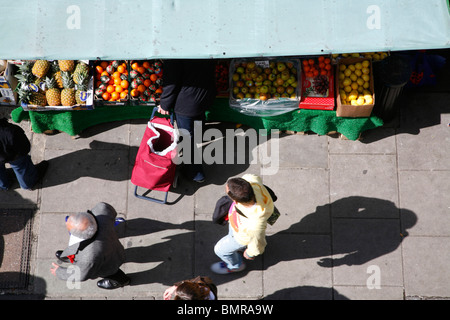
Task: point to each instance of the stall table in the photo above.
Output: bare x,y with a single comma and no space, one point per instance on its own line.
301,120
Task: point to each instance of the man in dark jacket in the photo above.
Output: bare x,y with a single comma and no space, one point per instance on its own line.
188,90
94,249
14,149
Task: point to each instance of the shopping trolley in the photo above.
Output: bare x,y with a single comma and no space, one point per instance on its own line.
154,168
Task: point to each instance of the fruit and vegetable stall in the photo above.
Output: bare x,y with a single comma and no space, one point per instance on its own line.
294,65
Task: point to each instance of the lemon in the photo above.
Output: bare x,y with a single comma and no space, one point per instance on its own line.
365,64
367,92
365,70
341,76
358,65
353,103
368,99
347,89
353,95
352,67
342,67
365,77
358,72
360,82
355,55
347,72
353,77
366,85
347,82
360,101
360,89
354,86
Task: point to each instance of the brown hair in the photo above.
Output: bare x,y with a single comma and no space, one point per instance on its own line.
194,289
240,190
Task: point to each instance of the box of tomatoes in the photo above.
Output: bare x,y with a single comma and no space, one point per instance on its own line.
112,84
317,83
145,82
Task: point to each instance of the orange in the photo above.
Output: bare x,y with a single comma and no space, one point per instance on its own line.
104,64
99,69
158,91
321,58
116,75
141,70
124,84
306,68
153,77
327,60
106,96
110,88
310,62
105,73
135,65
123,95
134,93
328,66
141,88
119,89
147,82
117,81
115,95
146,64
121,69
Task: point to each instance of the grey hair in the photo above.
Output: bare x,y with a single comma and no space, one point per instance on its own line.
84,225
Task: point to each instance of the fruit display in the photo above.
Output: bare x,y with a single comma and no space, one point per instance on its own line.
146,81
355,83
317,73
221,75
111,81
375,56
264,80
54,84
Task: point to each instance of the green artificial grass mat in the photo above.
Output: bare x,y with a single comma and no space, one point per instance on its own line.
302,120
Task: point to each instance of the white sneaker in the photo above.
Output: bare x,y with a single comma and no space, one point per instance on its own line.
221,268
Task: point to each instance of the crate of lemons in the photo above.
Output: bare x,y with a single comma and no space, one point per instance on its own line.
55,85
355,87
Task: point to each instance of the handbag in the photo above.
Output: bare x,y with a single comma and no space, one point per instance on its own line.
220,214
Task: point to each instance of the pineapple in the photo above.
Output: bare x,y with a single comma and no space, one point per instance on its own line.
53,94
56,71
81,86
40,68
66,65
80,68
32,98
68,93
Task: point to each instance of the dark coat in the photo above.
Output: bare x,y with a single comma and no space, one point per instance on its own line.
13,142
188,86
101,257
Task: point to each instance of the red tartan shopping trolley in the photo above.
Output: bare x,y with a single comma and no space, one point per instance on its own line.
154,168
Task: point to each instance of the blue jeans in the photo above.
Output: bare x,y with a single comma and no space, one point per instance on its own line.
227,249
187,123
25,171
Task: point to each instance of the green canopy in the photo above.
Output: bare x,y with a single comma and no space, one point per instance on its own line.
138,29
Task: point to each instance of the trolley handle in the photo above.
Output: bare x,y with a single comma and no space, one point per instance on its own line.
156,109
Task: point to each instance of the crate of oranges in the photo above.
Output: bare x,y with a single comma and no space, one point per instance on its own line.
111,82
145,82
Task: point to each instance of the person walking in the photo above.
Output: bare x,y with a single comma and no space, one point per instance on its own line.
188,90
14,149
252,206
94,248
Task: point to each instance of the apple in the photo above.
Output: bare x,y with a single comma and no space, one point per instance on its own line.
259,78
240,70
251,65
240,83
240,95
280,89
264,89
267,71
267,83
281,66
249,83
272,77
272,90
291,80
248,95
236,77
290,90
285,75
235,90
244,90
279,82
254,74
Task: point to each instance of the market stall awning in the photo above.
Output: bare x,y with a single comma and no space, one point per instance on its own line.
138,29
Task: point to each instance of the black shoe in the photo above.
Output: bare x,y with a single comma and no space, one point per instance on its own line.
110,284
58,255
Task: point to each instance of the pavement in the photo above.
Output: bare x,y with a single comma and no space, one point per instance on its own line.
360,220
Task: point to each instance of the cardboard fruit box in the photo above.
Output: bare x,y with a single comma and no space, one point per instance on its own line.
7,85
348,110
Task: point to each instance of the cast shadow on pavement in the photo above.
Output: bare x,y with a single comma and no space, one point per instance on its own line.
362,229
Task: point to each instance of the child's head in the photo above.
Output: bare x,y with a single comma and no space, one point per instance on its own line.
240,190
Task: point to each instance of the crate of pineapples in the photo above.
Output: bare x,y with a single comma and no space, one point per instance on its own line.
55,85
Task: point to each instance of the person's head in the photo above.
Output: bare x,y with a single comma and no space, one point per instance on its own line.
188,290
82,225
240,190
